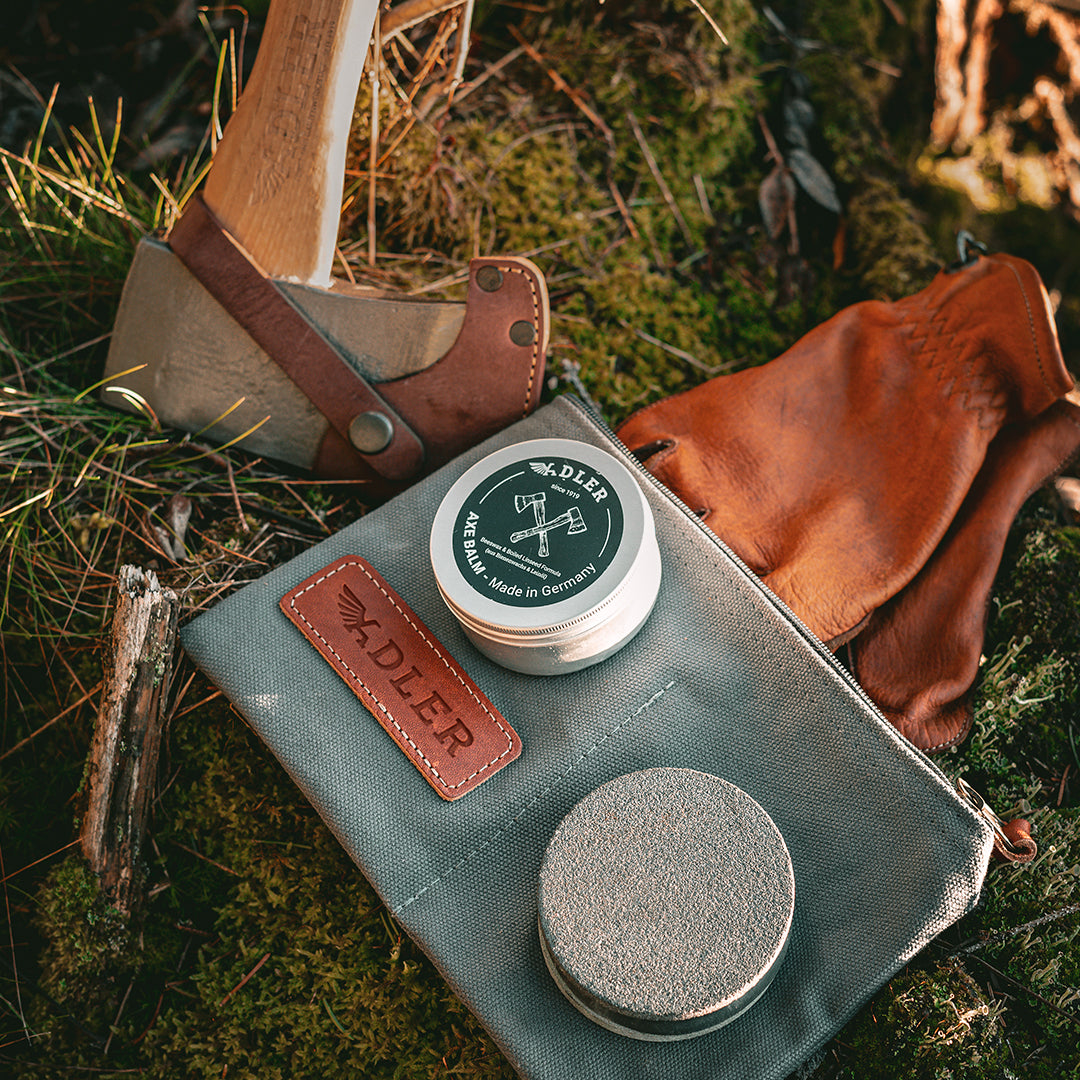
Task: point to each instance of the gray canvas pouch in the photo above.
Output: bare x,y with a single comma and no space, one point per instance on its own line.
722,678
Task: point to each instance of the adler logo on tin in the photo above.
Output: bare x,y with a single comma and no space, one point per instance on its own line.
538,531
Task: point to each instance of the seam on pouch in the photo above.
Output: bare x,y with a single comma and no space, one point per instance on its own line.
382,708
720,555
536,799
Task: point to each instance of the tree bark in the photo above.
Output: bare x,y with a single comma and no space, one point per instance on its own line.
122,765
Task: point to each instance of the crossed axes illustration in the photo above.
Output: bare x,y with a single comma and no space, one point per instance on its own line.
571,518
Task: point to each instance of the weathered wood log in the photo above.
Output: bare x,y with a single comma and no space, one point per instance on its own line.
122,764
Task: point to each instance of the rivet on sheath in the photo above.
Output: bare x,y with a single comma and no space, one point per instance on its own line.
371,432
489,278
522,333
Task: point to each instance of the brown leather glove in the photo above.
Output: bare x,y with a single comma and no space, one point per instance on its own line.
919,654
863,477
835,470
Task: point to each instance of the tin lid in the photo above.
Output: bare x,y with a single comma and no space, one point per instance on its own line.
666,901
539,536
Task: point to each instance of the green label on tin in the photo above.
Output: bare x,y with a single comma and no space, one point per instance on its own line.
538,531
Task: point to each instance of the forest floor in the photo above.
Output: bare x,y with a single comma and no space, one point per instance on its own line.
651,171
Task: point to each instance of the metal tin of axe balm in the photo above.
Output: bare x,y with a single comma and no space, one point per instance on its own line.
666,903
546,553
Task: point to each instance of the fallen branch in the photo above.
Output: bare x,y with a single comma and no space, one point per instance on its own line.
123,758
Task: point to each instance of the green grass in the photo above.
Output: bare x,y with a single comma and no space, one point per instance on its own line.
260,949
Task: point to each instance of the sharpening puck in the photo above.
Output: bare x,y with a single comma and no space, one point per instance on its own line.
666,901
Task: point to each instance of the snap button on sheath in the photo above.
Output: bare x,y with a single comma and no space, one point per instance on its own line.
489,278
371,432
522,333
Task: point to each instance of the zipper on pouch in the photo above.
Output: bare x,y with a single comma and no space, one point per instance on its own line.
959,787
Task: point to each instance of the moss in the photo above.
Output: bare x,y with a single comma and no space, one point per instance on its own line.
524,166
1028,708
531,171
332,985
996,995
891,251
88,943
935,1022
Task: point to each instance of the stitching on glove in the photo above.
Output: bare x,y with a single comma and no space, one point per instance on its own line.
1031,327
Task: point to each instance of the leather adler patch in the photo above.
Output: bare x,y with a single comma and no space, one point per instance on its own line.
407,679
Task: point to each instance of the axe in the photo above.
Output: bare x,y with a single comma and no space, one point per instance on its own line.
537,501
237,328
571,518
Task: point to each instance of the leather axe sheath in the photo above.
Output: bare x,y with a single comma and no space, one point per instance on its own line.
238,304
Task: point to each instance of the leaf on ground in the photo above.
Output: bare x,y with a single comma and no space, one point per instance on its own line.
799,119
813,179
776,197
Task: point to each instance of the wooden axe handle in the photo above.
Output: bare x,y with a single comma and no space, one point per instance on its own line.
279,170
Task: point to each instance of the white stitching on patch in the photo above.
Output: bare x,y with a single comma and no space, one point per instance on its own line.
370,694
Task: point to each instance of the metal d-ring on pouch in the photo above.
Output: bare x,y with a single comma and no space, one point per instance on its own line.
1012,839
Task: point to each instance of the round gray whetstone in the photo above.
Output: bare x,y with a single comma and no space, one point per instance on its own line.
666,900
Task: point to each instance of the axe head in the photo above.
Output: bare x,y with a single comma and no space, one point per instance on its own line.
197,370
523,502
577,522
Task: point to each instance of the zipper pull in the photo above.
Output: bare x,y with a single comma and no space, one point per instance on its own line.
1012,839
